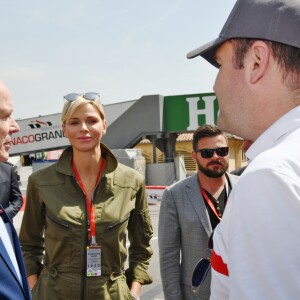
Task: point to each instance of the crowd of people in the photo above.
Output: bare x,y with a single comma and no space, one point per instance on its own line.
220,236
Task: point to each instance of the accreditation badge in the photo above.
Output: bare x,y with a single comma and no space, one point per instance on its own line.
93,261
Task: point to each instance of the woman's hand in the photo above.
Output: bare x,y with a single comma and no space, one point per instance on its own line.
136,289
32,279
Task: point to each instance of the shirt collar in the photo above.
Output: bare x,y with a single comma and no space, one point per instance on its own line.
287,123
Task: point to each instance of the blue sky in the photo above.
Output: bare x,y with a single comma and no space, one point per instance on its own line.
123,49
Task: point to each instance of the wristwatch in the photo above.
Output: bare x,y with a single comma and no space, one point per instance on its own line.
135,296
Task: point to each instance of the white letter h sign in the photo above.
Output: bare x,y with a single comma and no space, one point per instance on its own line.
194,112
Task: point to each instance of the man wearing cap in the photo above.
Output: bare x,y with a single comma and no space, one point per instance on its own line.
256,246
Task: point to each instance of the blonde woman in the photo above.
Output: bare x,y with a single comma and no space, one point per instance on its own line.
79,212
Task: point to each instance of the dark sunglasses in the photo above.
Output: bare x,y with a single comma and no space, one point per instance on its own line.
208,153
202,268
88,96
200,272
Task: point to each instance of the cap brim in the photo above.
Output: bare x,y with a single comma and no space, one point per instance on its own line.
208,51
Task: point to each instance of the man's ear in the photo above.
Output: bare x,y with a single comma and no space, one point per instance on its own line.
258,60
194,154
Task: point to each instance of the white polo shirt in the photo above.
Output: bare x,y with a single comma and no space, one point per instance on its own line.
258,239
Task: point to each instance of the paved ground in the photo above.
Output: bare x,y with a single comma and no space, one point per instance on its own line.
154,290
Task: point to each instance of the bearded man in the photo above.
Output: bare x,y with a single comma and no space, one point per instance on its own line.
189,212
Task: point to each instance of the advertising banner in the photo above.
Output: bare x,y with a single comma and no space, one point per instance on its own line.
187,112
38,134
181,113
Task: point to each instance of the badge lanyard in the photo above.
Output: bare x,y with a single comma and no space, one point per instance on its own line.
90,204
209,202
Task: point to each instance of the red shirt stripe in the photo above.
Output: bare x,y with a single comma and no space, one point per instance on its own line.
218,265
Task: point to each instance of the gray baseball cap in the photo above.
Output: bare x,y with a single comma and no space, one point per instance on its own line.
273,20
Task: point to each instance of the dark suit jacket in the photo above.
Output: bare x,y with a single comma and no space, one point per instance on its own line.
10,286
239,171
10,195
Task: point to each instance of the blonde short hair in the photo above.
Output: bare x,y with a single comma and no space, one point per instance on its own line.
70,107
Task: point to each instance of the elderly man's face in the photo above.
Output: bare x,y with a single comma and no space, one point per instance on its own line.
5,112
7,124
6,109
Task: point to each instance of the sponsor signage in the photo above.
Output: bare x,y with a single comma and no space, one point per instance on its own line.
187,112
38,134
181,114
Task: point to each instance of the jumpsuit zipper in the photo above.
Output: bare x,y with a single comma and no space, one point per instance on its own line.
66,226
83,281
110,227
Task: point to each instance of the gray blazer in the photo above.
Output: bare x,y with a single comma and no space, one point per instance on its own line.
183,232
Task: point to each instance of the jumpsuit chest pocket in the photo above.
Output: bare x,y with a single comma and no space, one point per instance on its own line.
117,224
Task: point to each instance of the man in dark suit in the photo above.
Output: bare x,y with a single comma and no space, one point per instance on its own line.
245,146
13,280
10,194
